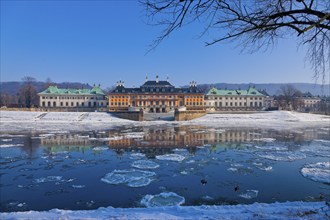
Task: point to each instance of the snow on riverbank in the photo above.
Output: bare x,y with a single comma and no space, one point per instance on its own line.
16,121
287,210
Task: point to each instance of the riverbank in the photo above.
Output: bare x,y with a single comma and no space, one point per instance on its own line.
287,210
22,121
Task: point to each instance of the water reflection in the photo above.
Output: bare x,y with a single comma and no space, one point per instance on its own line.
53,165
184,136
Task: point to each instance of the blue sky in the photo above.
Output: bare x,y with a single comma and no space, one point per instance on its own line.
106,41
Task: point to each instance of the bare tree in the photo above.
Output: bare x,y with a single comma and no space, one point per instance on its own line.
28,92
290,97
254,24
48,83
5,99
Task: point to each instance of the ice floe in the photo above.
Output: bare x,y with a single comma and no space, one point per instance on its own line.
249,194
319,172
282,155
319,150
48,179
78,186
6,140
137,156
100,148
132,178
265,139
272,147
11,145
145,164
163,199
171,157
323,141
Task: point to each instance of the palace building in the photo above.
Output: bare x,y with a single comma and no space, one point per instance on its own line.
155,96
234,100
83,99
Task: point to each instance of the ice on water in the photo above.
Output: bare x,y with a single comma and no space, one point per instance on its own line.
11,145
131,178
48,179
137,156
319,172
272,147
6,140
171,157
145,164
163,199
249,194
265,139
282,155
320,150
78,186
100,148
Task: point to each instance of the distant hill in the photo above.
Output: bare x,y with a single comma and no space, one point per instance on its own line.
271,88
274,88
12,88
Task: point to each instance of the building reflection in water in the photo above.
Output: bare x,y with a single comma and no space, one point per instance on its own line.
162,139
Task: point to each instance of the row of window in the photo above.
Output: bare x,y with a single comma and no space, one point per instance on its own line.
72,104
194,103
235,98
219,104
70,97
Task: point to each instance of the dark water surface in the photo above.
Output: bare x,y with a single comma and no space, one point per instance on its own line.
203,165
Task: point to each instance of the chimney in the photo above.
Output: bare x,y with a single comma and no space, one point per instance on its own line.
157,79
146,77
167,78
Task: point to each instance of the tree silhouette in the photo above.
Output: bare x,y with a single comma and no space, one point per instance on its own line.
28,92
254,24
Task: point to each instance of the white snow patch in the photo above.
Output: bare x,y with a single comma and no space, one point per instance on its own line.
171,157
145,164
66,121
132,178
162,199
249,194
319,172
279,211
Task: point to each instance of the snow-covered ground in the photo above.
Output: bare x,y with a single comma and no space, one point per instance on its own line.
16,121
287,210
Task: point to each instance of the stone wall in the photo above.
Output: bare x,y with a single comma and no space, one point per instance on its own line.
133,115
188,115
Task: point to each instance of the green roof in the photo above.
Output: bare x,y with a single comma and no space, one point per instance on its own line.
225,92
96,90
